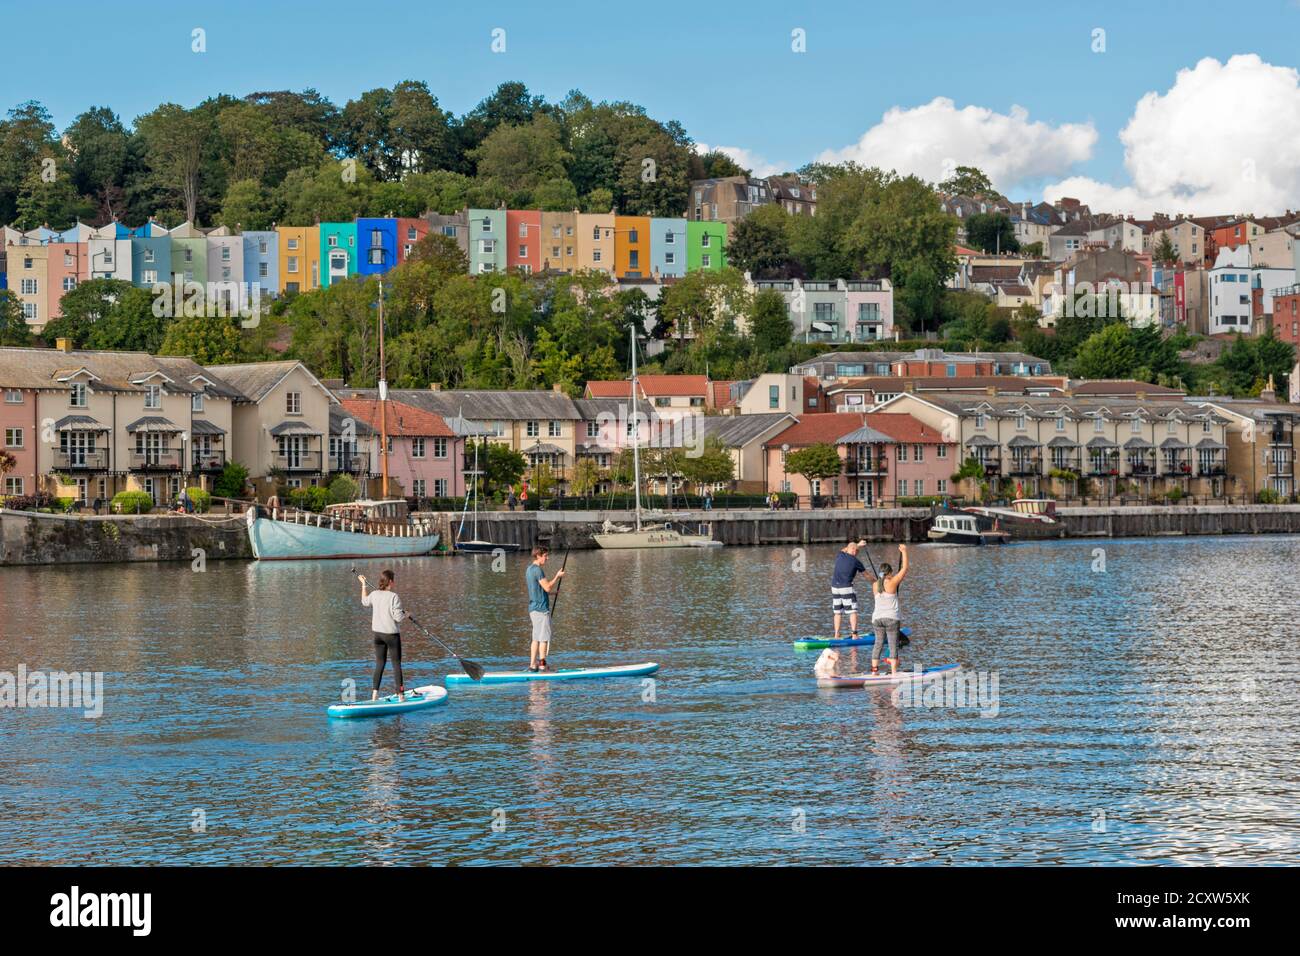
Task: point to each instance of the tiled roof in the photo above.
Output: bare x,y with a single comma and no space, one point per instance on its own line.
904,428
1125,387
113,371
401,419
652,385
254,380
481,405
824,427
721,394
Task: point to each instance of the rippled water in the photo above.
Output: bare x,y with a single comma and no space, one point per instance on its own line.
1148,714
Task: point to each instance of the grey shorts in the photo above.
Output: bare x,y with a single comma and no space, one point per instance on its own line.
541,626
844,600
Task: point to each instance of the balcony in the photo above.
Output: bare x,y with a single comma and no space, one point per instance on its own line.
162,459
79,460
1141,469
1176,468
348,464
1213,469
1103,467
1026,466
866,466
303,461
1066,464
205,462
992,467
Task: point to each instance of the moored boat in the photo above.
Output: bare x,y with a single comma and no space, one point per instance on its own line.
1026,518
359,529
958,528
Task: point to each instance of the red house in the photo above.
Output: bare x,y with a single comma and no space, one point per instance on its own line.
524,239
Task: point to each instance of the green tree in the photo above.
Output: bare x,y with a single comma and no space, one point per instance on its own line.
177,141
502,466
817,462
14,330
231,482
130,324
207,340
521,158
248,207
769,322
586,475
1110,353
992,232
760,243
711,466
968,181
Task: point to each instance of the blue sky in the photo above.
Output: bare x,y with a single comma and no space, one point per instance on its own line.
726,72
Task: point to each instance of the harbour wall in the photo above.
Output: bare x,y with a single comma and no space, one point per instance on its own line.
29,539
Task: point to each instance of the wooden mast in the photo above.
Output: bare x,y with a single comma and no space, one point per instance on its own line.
383,398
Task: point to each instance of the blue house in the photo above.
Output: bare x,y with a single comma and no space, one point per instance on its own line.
668,247
376,246
151,259
262,261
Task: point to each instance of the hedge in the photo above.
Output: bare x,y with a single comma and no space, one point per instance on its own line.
132,503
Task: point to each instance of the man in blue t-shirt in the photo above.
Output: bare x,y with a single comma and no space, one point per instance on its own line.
844,599
539,607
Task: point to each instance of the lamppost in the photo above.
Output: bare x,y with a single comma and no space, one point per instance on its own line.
785,475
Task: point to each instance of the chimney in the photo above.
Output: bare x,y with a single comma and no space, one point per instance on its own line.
992,391
1141,396
63,345
1268,393
435,386
557,388
909,385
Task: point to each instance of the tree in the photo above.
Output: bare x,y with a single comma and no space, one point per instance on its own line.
26,138
713,465
501,465
1110,353
586,475
231,482
543,480
342,488
207,340
130,324
769,322
397,131
715,165
247,206
520,158
14,330
968,181
760,243
88,304
817,462
992,232
972,470
177,141
1164,249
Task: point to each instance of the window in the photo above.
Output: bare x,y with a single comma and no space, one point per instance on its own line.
532,429
554,429
293,403
902,453
1136,426
148,256
633,259
980,420
941,451
13,396
292,265
196,402
417,447
774,396
189,255
77,395
263,270
706,261
225,253
595,233
669,238
595,255
555,252
941,486
332,241
261,247
28,287
417,487
29,311
902,487
568,250
67,259
13,486
918,453
1172,427
293,245
150,276
489,246
593,429
1060,423
670,258
952,371
69,283
440,487
153,396
523,230
487,224
13,438
1021,422
407,250
704,240
523,252
225,272
1098,425
440,448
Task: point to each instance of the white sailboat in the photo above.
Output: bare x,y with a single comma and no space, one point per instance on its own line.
655,535
475,544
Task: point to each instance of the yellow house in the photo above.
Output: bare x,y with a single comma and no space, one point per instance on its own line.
631,247
595,241
559,241
299,258
28,278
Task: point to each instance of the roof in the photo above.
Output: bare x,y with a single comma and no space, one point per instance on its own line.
1125,387
1014,384
720,394
589,409
31,368
153,423
255,380
820,428
292,428
481,405
652,385
338,416
401,419
902,427
737,431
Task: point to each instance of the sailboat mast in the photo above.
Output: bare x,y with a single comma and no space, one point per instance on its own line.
383,397
636,438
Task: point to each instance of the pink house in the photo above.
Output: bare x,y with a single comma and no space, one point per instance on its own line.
19,433
67,267
886,456
524,240
425,454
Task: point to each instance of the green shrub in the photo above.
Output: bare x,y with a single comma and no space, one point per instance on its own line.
343,489
1174,495
230,483
202,500
1268,496
65,504
132,503
921,501
313,498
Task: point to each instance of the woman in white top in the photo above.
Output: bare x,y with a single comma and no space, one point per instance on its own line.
386,616
885,616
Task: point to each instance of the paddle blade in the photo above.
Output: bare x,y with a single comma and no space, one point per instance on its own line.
475,671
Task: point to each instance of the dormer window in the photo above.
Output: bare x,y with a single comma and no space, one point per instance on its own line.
153,396
77,395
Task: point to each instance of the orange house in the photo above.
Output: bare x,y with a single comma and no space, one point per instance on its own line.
631,247
409,233
524,240
299,258
66,265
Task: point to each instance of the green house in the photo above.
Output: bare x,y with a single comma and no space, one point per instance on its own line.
338,251
706,245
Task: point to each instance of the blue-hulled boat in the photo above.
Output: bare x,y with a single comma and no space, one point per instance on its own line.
359,529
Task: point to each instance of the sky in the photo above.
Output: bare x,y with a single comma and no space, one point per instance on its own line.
1136,106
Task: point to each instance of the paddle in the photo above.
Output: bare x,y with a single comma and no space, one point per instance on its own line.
558,584
474,670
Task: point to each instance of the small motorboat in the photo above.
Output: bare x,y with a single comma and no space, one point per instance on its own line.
960,528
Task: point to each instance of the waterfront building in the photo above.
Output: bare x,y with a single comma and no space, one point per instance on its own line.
1263,445
834,311
425,456
671,396
280,422
409,233
632,258
706,245
667,247
937,362
151,259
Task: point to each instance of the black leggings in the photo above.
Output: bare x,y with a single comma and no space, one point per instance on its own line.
384,643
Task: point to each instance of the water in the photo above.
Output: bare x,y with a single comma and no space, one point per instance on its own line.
1147,714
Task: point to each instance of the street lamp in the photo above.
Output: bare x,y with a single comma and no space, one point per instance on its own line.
785,475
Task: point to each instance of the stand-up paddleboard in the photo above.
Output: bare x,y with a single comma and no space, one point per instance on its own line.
883,679
568,673
820,643
417,699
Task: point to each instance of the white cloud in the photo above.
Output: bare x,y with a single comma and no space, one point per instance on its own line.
746,158
931,140
1225,138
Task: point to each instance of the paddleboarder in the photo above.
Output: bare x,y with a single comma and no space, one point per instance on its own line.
386,616
844,599
886,615
539,607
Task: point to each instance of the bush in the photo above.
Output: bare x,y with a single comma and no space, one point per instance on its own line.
921,501
313,498
29,502
132,503
1269,496
202,500
343,489
1174,495
230,483
65,504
